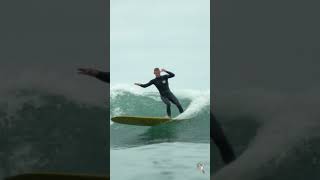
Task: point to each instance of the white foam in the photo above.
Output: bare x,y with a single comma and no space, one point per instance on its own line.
199,99
121,89
286,120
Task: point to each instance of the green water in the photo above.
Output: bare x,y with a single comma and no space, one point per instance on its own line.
168,151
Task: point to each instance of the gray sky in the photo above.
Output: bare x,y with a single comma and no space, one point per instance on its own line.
173,34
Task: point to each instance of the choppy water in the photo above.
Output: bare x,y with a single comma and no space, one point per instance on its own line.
168,151
41,131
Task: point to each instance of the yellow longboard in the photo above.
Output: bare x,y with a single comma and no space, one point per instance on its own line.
140,121
56,176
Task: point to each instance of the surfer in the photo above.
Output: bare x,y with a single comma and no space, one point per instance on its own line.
162,84
103,76
217,134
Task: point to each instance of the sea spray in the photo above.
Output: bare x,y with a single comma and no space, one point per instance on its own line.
193,101
279,123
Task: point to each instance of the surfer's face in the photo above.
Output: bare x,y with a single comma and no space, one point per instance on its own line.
157,73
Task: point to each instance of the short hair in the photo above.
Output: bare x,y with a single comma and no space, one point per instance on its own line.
156,69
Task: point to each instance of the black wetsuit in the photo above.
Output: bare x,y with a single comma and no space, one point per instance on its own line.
103,76
162,85
216,133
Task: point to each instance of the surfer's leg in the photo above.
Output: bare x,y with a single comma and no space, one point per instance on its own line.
221,141
167,102
175,101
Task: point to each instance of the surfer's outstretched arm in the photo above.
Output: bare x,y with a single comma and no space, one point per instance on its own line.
144,85
170,74
103,76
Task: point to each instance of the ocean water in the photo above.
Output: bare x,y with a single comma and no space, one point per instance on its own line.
168,151
275,135
51,132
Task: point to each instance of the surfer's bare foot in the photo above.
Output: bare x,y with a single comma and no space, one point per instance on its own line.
169,117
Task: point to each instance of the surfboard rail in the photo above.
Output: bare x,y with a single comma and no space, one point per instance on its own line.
140,120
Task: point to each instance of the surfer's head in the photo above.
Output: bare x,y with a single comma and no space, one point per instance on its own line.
156,72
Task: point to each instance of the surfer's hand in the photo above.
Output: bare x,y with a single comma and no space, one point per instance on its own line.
163,70
88,71
138,84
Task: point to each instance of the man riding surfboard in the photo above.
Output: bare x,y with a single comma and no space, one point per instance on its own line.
162,84
216,133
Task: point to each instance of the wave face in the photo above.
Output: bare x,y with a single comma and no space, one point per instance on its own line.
127,100
50,132
275,136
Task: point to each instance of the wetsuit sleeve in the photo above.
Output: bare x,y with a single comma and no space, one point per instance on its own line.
169,75
103,76
147,84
